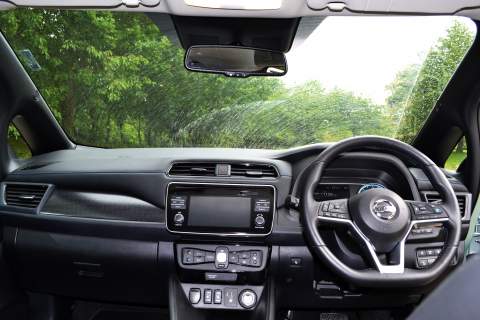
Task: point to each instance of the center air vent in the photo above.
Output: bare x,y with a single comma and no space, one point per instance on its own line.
193,169
462,201
212,169
24,195
253,170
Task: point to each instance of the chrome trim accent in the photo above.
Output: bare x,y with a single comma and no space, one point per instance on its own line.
468,201
396,268
45,213
224,234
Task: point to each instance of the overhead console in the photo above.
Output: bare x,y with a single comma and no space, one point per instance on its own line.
220,209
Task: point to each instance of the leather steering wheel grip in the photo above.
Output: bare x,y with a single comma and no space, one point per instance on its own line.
372,277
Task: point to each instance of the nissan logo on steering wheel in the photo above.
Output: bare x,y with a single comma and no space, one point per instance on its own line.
384,209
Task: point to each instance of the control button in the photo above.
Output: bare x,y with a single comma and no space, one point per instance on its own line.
437,251
436,209
244,255
262,205
178,202
421,252
247,299
194,295
422,263
207,296
255,258
221,258
187,256
199,253
231,296
325,206
198,259
217,298
430,252
244,262
178,218
295,261
187,259
431,260
233,258
259,221
209,256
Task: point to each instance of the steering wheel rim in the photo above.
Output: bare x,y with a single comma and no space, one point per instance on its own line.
384,275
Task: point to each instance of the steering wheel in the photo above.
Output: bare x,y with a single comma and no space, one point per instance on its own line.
379,219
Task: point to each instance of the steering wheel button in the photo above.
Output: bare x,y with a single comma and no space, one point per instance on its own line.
422,263
421,253
325,206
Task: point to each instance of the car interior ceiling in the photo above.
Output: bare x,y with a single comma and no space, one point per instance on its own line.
218,233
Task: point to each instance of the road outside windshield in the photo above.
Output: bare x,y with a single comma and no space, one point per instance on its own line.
115,80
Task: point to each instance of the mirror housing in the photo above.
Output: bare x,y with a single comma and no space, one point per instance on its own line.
235,61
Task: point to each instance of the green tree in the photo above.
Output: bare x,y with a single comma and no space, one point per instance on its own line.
440,63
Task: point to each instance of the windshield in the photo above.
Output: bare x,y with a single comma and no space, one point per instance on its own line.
118,80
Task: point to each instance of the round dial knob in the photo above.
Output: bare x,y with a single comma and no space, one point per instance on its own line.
247,299
259,221
178,218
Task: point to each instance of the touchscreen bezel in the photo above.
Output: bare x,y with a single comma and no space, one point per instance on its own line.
220,230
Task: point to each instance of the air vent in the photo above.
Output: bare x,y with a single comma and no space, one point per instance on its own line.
193,169
435,198
24,195
253,170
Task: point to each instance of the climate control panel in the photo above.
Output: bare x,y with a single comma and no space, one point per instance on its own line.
231,258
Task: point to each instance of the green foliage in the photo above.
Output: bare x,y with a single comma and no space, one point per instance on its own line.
437,69
114,80
17,144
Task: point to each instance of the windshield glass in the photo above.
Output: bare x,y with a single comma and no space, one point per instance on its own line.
118,80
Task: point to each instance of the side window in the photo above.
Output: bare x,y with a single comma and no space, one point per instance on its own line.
17,144
458,154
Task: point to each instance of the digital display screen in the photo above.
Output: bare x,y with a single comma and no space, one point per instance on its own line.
326,192
209,211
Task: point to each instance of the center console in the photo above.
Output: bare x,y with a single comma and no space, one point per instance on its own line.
221,266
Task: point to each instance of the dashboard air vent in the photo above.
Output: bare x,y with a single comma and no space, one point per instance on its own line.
24,195
253,170
193,169
435,198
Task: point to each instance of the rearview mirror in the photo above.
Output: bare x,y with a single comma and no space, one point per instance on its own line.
236,61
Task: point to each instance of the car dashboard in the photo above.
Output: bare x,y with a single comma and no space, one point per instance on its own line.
214,226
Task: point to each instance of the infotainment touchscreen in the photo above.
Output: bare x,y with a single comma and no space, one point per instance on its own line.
231,212
220,208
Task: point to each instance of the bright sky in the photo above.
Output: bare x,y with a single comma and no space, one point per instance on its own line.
363,54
